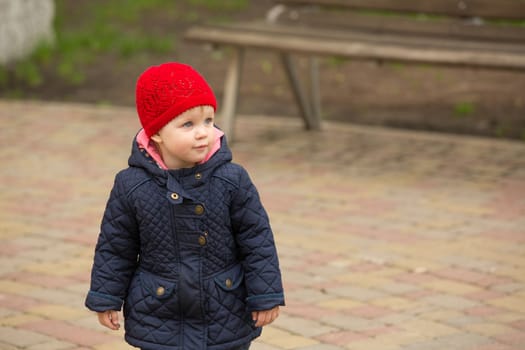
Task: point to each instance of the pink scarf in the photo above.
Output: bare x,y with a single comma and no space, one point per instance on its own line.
144,142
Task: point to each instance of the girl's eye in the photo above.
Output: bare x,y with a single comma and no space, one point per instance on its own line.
209,121
187,124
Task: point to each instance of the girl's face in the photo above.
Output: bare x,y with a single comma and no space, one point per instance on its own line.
187,139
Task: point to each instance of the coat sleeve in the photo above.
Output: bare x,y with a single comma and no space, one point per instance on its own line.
256,242
116,253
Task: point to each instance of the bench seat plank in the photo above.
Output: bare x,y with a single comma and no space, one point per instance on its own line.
503,9
363,45
402,25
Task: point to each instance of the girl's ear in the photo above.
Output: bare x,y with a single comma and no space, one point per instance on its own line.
156,138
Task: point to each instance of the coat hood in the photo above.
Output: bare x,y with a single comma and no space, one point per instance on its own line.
140,158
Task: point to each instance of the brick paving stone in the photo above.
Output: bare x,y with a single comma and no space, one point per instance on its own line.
519,324
366,280
284,339
309,295
402,338
407,241
488,329
494,346
4,312
464,341
508,287
451,301
17,302
418,294
5,346
18,319
358,293
512,303
258,345
40,279
66,332
51,296
52,345
514,338
307,311
12,287
116,345
469,276
398,288
453,287
378,332
463,321
57,312
22,338
340,304
395,303
316,347
508,317
483,311
341,338
352,323
395,319
428,328
369,312
306,328
426,344
484,295
299,277
414,277
373,344
442,315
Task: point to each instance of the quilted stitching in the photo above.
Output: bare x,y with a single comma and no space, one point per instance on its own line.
139,213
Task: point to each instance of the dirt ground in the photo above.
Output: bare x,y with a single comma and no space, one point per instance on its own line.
445,99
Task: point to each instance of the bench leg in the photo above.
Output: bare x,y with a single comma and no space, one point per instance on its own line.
231,93
314,88
311,121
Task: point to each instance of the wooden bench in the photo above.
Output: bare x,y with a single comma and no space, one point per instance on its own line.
475,33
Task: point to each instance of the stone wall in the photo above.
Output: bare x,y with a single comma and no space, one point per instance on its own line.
23,25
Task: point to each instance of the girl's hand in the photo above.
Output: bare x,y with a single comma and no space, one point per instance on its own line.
265,317
109,319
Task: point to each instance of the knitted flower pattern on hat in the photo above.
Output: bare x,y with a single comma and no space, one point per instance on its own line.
165,91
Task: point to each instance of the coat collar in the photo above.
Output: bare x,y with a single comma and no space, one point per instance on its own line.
180,180
144,142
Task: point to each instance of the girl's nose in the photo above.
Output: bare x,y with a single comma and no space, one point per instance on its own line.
201,131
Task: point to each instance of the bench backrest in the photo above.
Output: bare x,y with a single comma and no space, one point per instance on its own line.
464,19
494,9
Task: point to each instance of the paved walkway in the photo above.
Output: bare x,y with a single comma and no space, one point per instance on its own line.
388,240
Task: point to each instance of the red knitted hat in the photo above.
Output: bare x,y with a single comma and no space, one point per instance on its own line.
167,90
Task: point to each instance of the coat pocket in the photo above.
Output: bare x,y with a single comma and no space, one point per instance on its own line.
158,287
152,296
230,279
226,306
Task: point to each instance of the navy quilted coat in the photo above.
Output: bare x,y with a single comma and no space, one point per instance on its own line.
189,253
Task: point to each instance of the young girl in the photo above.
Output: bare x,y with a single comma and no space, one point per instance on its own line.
185,243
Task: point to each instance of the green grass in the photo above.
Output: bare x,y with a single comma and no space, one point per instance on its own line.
223,5
464,109
111,27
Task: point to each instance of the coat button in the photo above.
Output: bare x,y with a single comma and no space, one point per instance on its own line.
198,176
202,240
160,291
199,209
228,283
174,196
